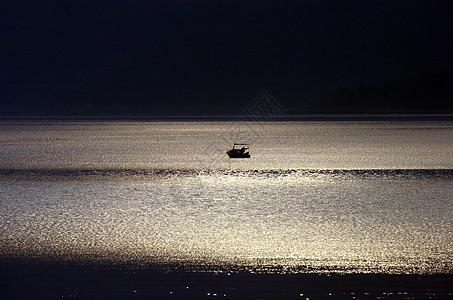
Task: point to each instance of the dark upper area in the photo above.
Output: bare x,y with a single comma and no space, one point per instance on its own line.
213,57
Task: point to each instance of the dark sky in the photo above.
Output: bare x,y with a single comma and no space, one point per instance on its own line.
212,56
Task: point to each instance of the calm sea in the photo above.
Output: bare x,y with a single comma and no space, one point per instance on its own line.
360,197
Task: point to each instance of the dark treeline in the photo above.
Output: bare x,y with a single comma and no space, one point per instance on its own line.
426,93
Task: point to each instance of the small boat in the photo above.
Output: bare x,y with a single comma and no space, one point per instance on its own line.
239,151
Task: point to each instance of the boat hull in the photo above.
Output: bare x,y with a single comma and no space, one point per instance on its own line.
238,155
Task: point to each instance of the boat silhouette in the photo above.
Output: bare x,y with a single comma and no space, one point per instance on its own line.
239,151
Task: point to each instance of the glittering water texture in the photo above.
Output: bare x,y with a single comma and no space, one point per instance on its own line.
115,192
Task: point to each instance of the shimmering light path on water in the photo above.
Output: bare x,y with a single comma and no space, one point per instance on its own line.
202,145
162,193
272,221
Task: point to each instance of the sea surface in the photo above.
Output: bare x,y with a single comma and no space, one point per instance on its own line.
315,197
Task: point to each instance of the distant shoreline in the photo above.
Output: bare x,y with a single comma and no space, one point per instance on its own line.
235,118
